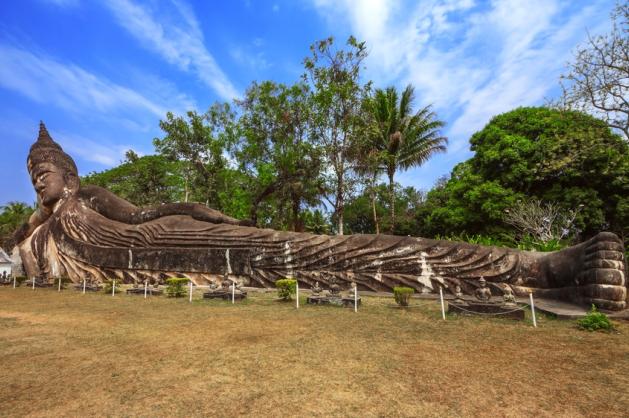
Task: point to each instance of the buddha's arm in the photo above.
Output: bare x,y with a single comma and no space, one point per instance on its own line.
38,217
115,208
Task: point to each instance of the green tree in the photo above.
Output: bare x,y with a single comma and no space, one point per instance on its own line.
147,180
408,200
403,139
337,97
12,216
316,222
566,158
275,152
199,143
598,79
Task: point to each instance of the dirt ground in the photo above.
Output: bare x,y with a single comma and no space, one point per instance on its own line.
68,354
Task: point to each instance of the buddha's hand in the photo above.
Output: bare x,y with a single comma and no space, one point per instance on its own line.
603,279
21,233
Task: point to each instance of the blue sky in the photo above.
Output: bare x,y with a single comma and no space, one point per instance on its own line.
102,73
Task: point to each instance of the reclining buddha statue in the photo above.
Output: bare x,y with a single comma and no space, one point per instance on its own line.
90,233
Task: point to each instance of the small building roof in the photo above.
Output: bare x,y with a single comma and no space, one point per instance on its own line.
4,258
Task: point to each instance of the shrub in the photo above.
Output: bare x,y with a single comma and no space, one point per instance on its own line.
595,321
403,295
109,284
176,287
19,280
286,288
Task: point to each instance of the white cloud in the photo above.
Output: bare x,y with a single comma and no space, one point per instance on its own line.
45,80
103,153
251,56
471,60
175,35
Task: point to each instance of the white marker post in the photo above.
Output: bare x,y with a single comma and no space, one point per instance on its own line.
84,284
113,288
146,288
443,308
355,298
234,292
59,290
297,291
190,291
33,283
533,309
14,282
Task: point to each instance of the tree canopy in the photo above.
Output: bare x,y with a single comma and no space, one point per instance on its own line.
565,157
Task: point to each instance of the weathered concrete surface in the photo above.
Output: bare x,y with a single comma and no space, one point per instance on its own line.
88,232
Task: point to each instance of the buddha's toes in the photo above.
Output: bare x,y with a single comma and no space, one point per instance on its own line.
603,279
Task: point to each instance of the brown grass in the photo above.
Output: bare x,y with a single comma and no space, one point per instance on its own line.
70,354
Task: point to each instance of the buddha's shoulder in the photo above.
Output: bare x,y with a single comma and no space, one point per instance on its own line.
90,191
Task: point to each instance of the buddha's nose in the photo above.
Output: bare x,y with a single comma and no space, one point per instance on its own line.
39,185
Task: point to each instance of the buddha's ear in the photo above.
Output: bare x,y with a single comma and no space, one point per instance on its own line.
72,180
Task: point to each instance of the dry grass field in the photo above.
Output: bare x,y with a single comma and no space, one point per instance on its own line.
68,354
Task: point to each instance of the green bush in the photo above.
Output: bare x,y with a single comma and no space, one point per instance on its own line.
109,284
176,287
595,321
19,280
286,288
403,295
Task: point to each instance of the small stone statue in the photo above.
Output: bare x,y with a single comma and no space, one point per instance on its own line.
239,288
483,293
316,289
509,297
334,287
458,295
350,290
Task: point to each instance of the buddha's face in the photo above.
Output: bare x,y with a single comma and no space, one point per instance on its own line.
49,182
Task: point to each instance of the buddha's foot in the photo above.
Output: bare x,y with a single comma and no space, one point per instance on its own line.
602,281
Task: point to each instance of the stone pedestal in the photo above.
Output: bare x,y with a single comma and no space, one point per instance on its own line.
486,309
225,295
332,300
140,291
88,287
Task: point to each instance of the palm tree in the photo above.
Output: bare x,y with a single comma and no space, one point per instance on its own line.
403,139
12,216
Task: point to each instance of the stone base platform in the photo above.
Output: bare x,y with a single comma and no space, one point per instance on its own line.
332,300
486,309
566,310
224,295
88,288
140,291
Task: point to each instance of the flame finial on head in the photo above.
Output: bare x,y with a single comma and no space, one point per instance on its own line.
46,150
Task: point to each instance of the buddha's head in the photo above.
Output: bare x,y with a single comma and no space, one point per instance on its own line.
53,172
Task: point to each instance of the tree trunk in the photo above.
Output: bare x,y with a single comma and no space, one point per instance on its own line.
297,224
373,204
253,214
187,192
340,204
392,199
340,216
